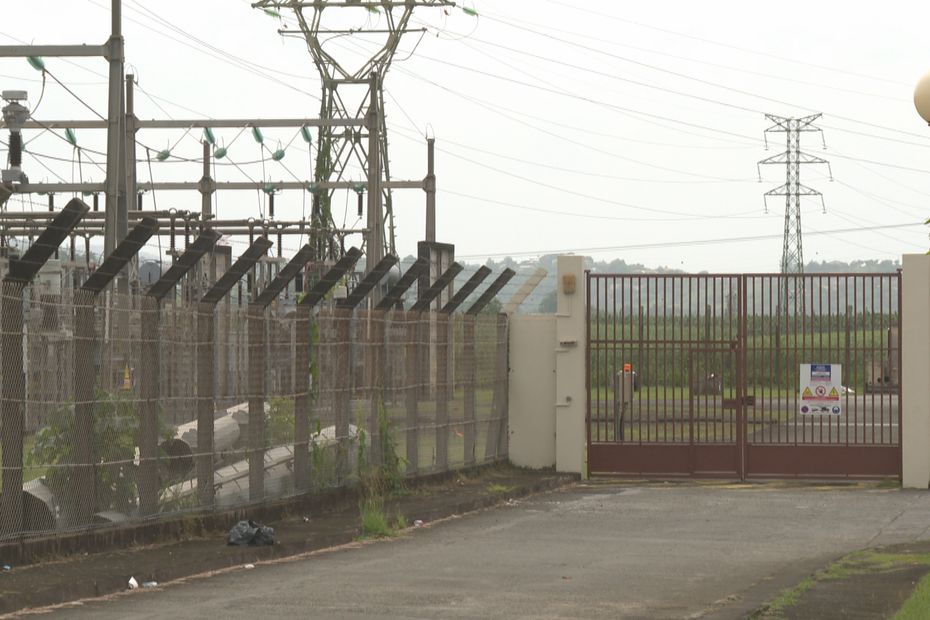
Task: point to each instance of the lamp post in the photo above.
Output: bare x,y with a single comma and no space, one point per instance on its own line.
922,98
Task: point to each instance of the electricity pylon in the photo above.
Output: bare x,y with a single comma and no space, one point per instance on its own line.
792,257
347,93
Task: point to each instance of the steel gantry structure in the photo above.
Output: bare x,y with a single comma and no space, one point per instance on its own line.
792,256
346,93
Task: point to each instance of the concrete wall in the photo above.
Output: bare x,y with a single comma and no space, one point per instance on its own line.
547,380
532,391
915,371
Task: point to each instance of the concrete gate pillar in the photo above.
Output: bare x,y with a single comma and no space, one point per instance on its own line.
915,371
570,401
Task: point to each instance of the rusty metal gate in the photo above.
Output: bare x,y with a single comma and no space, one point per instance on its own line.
700,375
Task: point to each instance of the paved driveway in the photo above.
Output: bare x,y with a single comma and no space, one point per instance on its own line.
593,550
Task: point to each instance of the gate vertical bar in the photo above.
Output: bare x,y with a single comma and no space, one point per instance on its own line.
742,428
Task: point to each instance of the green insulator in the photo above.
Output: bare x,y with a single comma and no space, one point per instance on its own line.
163,155
36,62
88,194
272,13
278,155
70,136
314,188
208,135
374,9
305,134
257,134
360,188
269,188
220,153
469,11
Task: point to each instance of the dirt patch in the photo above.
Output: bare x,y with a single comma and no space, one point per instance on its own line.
96,574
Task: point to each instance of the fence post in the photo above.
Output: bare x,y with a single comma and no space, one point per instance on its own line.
471,368
13,389
445,352
206,390
470,384
206,396
150,374
83,484
442,391
314,296
302,399
497,429
13,408
412,378
257,372
374,321
376,332
148,406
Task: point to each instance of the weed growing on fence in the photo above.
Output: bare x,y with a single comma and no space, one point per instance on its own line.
377,482
280,428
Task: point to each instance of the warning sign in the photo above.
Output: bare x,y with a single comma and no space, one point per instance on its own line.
821,386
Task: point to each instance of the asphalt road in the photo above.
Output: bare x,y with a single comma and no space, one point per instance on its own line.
594,550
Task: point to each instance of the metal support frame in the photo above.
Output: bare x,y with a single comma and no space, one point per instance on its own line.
338,149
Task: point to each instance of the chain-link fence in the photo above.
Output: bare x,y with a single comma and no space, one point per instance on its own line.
136,408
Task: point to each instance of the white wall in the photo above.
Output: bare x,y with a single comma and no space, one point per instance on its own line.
570,398
915,371
532,390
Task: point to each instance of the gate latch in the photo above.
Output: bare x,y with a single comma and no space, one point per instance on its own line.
748,401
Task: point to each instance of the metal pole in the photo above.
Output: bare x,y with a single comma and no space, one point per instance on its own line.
114,126
207,189
375,243
430,189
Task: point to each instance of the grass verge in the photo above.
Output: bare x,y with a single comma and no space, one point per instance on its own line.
858,563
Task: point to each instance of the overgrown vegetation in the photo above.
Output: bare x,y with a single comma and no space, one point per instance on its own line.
115,435
280,427
500,488
378,481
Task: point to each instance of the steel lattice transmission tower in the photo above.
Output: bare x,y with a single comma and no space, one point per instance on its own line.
792,257
351,92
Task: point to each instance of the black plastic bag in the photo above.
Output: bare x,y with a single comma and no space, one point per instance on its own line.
250,533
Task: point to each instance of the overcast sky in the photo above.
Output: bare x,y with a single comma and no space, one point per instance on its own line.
613,129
